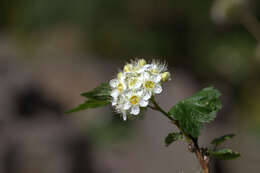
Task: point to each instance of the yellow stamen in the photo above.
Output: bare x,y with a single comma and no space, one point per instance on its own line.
154,71
132,82
120,87
149,84
134,100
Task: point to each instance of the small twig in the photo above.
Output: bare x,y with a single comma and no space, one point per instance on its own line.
149,106
158,108
191,141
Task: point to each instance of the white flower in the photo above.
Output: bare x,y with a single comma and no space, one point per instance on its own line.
136,84
120,106
118,85
135,100
151,84
157,67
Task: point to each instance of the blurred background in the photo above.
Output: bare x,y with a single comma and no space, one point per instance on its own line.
52,50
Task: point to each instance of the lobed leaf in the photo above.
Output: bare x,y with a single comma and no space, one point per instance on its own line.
172,137
224,154
200,108
220,140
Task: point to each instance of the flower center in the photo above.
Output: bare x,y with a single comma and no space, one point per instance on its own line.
149,84
134,100
154,71
132,82
120,87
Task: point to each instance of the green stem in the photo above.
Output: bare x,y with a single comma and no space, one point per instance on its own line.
158,108
190,140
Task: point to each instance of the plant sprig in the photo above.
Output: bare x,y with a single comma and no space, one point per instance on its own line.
134,88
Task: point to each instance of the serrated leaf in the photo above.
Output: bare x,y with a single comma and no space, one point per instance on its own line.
220,140
224,154
99,96
172,137
200,108
89,104
101,92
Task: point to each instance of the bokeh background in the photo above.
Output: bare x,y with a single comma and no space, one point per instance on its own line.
52,50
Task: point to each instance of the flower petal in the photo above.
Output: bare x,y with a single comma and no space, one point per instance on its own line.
138,85
147,66
157,89
140,92
140,70
124,116
156,78
121,76
113,83
143,103
114,102
147,95
135,110
114,93
126,106
146,76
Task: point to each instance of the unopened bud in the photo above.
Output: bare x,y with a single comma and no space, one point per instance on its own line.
128,67
165,76
141,62
119,75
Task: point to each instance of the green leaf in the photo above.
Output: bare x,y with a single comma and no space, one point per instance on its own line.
101,92
99,96
192,112
89,104
224,154
172,137
220,140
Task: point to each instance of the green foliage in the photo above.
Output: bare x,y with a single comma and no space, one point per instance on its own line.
172,137
192,112
224,154
98,97
101,92
220,140
89,104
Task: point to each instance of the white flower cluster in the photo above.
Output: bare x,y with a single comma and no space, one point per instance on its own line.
136,84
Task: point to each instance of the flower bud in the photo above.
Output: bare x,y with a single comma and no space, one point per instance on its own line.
141,62
119,75
165,76
128,67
